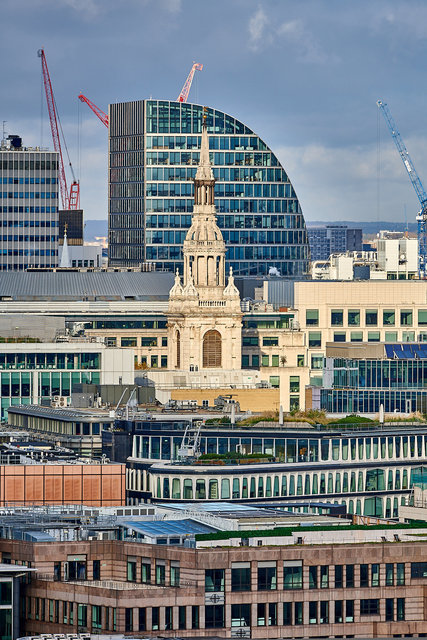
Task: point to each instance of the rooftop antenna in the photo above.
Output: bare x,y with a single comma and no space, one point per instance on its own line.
3,141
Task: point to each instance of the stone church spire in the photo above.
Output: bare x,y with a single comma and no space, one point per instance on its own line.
204,247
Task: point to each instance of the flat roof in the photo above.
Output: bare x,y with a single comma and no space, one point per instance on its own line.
169,527
64,415
82,285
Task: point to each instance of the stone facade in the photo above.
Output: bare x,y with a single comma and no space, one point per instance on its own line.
204,315
367,590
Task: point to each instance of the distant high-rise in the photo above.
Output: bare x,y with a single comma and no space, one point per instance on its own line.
333,238
28,206
153,155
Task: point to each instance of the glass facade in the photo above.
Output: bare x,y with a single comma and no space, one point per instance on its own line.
154,152
29,222
361,386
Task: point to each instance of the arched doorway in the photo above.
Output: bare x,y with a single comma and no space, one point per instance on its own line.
212,349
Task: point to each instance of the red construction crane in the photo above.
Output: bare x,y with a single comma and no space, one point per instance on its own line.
71,201
97,111
183,96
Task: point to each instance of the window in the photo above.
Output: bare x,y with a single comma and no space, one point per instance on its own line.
324,576
142,619
195,617
406,317
400,574
168,618
96,616
128,342
349,576
400,608
317,362
292,575
338,611
241,578
287,613
294,384
250,341
371,317
337,317
76,569
214,616
96,570
339,576
299,613
364,575
182,617
240,615
369,607
422,317
81,615
312,612
389,609
300,360
146,572
270,341
375,575
390,336
212,347
356,336
389,317
267,579
160,574
265,360
324,612
353,317
349,610
155,618
175,575
57,571
389,575
418,569
131,569
274,360
149,342
408,336
312,317
339,336
164,341
373,336
314,339
312,577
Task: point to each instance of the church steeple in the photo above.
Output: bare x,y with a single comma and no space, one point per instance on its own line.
204,247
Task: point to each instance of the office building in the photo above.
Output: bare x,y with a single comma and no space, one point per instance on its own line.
153,155
290,582
29,220
333,239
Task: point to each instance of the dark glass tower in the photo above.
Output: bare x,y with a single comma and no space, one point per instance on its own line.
153,156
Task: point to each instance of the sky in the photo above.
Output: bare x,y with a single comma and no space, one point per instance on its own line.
304,75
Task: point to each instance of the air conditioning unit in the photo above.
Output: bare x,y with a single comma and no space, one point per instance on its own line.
59,401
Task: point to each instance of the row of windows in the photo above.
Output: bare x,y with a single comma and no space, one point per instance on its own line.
226,180
28,252
283,485
255,252
32,195
194,142
29,223
379,374
145,341
28,165
231,222
223,206
292,449
389,317
319,577
184,189
13,180
50,360
369,401
315,337
22,238
234,237
10,209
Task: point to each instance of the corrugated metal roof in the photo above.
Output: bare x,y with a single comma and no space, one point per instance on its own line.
81,285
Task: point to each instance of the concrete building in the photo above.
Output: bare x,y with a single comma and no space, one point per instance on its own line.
11,578
332,238
291,582
28,206
153,154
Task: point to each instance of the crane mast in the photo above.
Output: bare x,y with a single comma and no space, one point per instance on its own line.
72,200
183,96
97,111
416,183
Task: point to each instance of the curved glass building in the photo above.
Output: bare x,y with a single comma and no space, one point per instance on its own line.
153,155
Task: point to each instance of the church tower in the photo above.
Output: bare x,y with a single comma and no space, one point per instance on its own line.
204,315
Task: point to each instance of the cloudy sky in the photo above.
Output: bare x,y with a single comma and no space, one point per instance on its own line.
305,75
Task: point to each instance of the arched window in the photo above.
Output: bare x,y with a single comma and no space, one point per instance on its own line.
178,350
212,349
